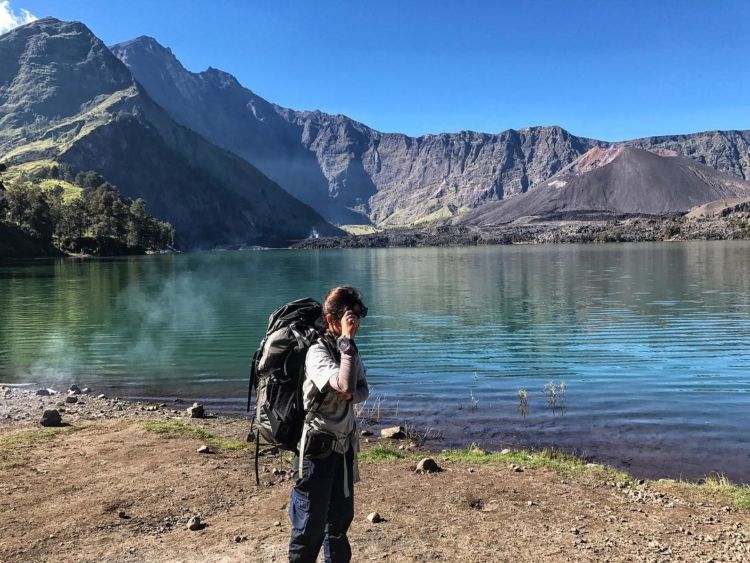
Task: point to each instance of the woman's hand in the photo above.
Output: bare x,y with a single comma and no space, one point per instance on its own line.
349,325
345,396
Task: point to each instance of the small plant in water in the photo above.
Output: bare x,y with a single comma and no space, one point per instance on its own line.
523,402
555,393
473,402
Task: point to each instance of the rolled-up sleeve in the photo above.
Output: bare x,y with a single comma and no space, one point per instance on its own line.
320,367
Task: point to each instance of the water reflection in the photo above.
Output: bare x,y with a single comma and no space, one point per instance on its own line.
650,340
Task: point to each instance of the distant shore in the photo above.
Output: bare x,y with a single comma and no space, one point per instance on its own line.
556,230
121,480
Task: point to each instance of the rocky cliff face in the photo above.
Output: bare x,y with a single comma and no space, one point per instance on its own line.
354,174
65,97
726,151
346,170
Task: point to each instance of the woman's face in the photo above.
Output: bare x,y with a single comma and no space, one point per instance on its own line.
334,325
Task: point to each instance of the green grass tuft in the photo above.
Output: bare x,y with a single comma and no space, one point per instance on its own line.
380,453
15,448
177,428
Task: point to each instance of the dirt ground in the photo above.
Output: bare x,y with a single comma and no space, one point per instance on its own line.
109,489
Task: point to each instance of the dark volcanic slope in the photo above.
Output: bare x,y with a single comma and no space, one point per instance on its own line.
65,97
617,180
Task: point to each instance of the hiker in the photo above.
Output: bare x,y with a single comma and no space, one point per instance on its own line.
322,500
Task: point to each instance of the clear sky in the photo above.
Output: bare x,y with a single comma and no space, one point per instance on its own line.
611,70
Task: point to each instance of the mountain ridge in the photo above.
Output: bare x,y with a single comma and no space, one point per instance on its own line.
56,106
351,172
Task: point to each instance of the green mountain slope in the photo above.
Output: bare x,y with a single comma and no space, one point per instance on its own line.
65,97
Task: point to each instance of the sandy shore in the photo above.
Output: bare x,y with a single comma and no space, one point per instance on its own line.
121,480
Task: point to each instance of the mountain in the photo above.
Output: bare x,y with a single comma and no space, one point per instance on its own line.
346,170
618,179
65,97
354,174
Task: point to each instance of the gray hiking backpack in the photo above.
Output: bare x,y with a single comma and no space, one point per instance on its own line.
278,371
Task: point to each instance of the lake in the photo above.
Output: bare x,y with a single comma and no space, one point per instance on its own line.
635,354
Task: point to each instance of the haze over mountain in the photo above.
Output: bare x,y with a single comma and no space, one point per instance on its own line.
64,97
618,179
352,173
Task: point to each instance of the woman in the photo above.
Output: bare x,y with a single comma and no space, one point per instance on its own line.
322,503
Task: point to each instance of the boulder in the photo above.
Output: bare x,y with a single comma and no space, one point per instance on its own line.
74,389
196,411
42,393
71,399
428,465
51,418
394,433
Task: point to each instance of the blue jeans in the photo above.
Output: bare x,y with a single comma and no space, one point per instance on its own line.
319,511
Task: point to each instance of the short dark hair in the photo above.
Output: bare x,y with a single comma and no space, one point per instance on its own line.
343,298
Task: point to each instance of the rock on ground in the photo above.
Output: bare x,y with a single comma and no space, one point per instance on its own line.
428,465
394,433
196,411
51,418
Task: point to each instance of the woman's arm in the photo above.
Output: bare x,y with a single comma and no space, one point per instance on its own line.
345,380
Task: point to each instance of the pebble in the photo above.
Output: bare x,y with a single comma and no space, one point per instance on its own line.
374,518
516,468
51,418
101,396
194,523
240,539
74,389
277,523
428,465
394,433
86,390
365,433
505,451
530,503
204,450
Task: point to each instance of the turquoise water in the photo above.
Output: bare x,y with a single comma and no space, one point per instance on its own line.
651,341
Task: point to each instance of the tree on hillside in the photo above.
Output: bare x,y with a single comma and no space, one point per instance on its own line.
107,212
29,209
72,221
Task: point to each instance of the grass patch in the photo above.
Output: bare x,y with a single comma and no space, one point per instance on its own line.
178,429
69,191
713,486
550,458
15,448
359,229
380,453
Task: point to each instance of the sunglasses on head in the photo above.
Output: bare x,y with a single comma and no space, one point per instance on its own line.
359,310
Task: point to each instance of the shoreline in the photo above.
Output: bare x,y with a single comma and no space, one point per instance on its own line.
121,481
596,230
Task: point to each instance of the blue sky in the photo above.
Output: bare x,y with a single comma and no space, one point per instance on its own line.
611,70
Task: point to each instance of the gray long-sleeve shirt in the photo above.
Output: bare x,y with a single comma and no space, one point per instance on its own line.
323,372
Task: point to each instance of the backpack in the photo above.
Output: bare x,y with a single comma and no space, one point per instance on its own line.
278,372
